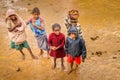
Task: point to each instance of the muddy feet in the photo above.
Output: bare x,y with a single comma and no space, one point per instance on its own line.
54,66
63,67
34,57
69,72
23,57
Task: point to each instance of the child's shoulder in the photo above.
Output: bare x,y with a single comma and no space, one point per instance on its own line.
62,34
41,19
51,34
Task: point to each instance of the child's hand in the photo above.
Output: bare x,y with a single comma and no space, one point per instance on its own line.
53,47
19,25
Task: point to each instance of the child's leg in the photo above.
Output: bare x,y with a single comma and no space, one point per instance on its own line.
62,64
76,67
32,55
41,52
23,55
48,54
71,68
54,66
26,45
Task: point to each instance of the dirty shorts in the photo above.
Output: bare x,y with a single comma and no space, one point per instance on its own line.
77,60
19,46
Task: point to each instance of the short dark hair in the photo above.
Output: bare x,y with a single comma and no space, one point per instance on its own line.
55,26
36,10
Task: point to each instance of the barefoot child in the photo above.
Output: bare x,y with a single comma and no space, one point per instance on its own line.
37,25
56,42
16,30
75,48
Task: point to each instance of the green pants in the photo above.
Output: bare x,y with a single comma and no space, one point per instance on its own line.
19,46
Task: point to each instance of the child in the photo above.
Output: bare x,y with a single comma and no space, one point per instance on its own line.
56,42
72,21
16,29
38,27
75,48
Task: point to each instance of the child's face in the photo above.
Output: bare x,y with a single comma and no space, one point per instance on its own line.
57,30
73,35
35,15
74,24
12,17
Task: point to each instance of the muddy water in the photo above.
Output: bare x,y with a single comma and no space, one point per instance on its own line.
97,14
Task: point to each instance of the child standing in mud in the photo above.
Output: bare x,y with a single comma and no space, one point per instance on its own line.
37,25
16,30
56,42
75,48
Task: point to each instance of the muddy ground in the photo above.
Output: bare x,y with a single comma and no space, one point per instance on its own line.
100,21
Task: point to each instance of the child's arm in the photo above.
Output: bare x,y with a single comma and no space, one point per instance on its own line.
66,46
41,27
50,42
84,51
10,29
62,43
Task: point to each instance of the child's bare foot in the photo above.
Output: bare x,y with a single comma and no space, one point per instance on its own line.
34,57
63,67
70,71
54,66
48,57
23,57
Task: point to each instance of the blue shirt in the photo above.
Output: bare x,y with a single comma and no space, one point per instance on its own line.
35,30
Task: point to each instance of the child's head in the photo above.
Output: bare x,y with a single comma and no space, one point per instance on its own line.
73,35
35,13
56,28
74,22
13,17
10,14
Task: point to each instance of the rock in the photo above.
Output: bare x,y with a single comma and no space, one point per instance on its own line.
92,53
99,53
94,38
12,1
18,69
118,50
28,4
114,57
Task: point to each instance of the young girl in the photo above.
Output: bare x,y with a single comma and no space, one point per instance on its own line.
56,42
16,29
38,27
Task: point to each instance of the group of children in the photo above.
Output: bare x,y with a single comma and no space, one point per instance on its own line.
57,45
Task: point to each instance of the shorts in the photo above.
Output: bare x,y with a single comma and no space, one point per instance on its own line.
19,46
77,60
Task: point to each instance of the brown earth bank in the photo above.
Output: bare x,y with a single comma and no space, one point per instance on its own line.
100,21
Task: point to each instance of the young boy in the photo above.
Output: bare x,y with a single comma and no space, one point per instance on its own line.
56,42
75,48
16,30
37,25
72,21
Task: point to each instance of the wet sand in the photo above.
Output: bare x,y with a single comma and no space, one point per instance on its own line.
100,21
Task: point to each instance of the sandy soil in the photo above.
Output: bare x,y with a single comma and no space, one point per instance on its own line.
100,21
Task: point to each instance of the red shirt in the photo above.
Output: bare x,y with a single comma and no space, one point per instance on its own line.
57,41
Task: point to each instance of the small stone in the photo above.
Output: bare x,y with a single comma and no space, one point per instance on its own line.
99,53
18,69
114,57
28,4
92,53
118,50
12,1
94,38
